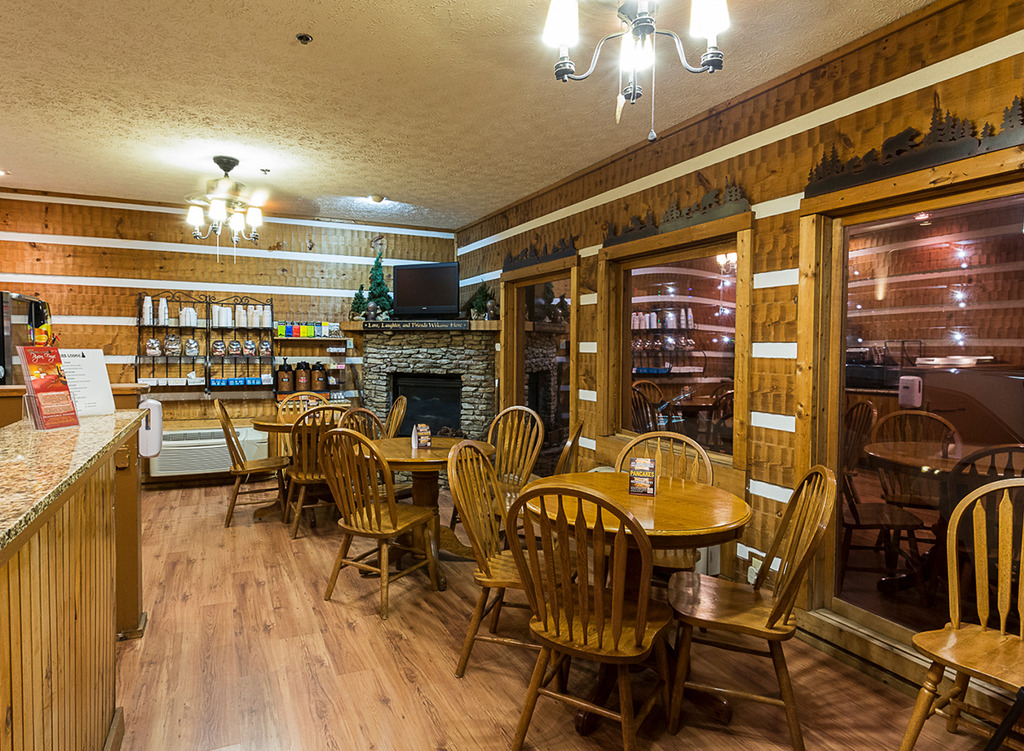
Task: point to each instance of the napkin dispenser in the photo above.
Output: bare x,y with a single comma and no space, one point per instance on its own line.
910,392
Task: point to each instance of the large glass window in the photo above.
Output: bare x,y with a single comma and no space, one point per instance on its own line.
680,323
934,384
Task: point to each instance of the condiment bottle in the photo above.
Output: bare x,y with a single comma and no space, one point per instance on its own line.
285,379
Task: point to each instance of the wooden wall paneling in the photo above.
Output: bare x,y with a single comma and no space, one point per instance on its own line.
574,342
772,386
774,317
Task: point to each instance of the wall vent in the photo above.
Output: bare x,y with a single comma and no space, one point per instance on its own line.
203,452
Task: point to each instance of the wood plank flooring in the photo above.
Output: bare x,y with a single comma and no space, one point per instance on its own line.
242,652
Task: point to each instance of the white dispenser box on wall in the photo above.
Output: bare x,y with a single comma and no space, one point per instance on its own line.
151,434
910,392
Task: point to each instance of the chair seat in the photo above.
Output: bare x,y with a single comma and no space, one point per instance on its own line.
407,516
659,617
980,653
882,516
504,574
703,601
270,464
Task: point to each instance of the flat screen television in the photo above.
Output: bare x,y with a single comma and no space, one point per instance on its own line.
425,291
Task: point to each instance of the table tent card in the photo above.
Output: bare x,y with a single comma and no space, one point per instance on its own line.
421,436
641,476
86,372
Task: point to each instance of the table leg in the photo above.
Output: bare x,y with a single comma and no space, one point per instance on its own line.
424,493
607,676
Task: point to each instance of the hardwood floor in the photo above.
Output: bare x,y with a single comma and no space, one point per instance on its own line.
242,652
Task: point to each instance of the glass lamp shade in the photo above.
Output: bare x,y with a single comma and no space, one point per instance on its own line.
237,223
563,25
708,19
218,210
195,216
254,216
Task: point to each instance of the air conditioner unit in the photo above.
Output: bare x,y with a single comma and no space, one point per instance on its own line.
203,452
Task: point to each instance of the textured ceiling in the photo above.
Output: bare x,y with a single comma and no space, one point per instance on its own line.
449,108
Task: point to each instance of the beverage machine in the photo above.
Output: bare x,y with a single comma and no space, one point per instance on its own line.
25,321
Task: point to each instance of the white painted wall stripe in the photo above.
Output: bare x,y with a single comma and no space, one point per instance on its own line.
785,423
590,299
353,360
774,350
96,320
767,490
979,57
591,250
108,359
173,284
780,278
588,348
267,219
588,396
588,443
777,206
490,276
497,346
226,253
745,552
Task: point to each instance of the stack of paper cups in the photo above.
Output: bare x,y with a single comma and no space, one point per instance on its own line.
147,311
268,320
162,313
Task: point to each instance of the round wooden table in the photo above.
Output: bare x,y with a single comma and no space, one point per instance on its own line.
680,514
926,458
425,465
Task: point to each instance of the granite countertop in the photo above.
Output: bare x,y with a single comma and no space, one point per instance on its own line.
36,466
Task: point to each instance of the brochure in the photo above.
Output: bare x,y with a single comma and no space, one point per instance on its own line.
642,476
46,385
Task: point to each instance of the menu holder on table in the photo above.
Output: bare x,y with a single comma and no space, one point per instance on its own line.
46,386
642,477
421,436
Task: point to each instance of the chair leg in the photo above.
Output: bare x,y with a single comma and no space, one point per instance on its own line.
786,688
474,626
626,710
563,674
231,503
531,698
384,581
298,510
923,708
286,513
282,485
500,595
682,673
844,554
346,541
959,692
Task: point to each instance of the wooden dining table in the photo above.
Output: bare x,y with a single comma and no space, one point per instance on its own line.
682,514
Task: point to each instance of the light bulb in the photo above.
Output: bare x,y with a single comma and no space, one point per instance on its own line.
218,210
563,25
254,217
708,19
237,223
195,216
627,53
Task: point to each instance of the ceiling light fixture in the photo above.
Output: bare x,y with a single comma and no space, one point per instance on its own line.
708,18
225,201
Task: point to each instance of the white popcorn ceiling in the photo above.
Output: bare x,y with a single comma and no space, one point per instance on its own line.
449,108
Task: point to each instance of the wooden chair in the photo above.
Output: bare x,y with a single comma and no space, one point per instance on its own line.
242,469
288,411
651,391
907,486
360,481
644,415
305,474
675,455
517,434
986,527
570,451
364,422
706,602
586,603
395,416
889,523
477,495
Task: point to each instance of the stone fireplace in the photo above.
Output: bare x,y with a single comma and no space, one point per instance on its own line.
391,357
542,359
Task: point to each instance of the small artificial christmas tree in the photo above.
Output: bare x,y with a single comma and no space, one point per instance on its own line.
358,307
379,292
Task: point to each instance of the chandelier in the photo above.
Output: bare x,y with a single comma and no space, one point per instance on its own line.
225,201
708,18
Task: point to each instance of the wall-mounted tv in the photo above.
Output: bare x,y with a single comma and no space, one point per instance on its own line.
425,291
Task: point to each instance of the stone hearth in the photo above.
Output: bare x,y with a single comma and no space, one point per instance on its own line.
469,354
